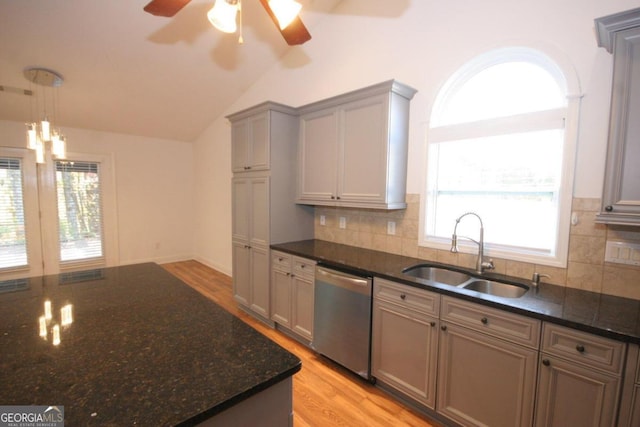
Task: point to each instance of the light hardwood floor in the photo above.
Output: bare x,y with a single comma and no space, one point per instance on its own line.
324,394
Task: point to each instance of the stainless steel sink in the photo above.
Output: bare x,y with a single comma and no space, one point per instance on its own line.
437,274
499,289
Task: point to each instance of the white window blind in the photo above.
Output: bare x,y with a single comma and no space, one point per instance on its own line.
13,243
79,211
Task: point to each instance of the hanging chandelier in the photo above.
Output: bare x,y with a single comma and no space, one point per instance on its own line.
45,97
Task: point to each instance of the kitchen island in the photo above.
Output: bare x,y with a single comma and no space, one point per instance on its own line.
134,345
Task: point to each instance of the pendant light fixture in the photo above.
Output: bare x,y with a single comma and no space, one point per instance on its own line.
44,131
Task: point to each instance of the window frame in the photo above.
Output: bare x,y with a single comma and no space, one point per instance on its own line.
561,70
30,204
50,221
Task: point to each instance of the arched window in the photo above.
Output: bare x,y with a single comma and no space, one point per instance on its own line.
499,146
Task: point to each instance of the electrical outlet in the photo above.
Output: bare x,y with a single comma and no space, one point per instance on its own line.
343,222
323,220
391,227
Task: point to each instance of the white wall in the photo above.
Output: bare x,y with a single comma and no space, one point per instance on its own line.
420,43
154,190
213,201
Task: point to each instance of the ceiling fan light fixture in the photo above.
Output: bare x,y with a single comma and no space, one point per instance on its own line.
285,11
223,15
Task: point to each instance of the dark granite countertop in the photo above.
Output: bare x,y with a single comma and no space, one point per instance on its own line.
602,314
143,349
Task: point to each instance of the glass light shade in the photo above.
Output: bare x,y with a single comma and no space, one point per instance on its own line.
39,151
31,136
223,16
58,148
45,130
285,11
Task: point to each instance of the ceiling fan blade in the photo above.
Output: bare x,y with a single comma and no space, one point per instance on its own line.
166,8
295,33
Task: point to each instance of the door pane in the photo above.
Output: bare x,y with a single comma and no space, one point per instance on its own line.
79,210
13,243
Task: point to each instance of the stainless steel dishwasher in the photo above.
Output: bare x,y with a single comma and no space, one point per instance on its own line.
342,319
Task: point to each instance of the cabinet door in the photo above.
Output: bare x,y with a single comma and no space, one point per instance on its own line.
317,157
362,158
635,411
302,307
259,142
404,351
260,280
621,199
485,381
250,143
241,273
240,190
259,211
281,296
239,145
570,394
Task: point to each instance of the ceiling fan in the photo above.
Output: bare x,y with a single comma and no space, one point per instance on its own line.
294,33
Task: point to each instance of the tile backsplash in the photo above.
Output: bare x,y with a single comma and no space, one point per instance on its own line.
586,267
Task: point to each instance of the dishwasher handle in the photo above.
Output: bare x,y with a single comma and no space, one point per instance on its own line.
344,280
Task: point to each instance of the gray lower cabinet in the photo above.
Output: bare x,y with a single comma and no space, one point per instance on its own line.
630,404
405,340
292,293
580,377
487,365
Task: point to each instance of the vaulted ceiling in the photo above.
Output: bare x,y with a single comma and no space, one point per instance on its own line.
127,71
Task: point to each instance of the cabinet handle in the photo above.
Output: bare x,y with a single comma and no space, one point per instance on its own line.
338,197
432,324
484,320
608,208
403,297
580,348
443,327
302,266
279,259
546,362
288,274
333,197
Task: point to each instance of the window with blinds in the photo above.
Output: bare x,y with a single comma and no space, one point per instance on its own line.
13,242
79,211
498,145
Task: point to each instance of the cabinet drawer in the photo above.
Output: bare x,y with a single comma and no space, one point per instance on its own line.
583,347
407,296
280,260
512,327
303,266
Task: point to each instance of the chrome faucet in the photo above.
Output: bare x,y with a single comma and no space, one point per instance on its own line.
481,264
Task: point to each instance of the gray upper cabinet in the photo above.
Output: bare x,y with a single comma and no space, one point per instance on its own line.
620,35
353,148
250,149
